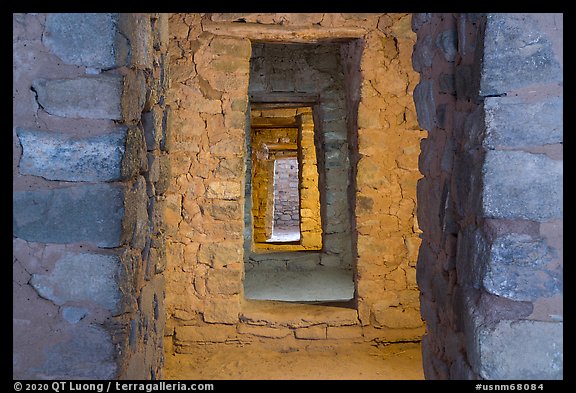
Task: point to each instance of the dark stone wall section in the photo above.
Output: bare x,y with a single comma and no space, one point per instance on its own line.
490,203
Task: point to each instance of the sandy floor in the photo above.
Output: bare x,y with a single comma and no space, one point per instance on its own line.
351,361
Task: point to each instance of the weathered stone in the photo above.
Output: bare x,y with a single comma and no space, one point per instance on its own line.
447,42
91,97
136,27
441,115
517,269
264,331
86,213
466,85
204,334
423,54
134,159
419,19
153,168
522,185
516,54
74,314
88,354
317,332
58,156
447,84
164,172
398,317
343,332
223,282
224,210
135,221
221,311
219,255
514,123
152,124
224,190
538,344
167,127
133,95
81,277
84,39
425,104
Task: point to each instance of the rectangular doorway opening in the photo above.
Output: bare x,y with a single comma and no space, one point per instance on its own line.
286,206
299,209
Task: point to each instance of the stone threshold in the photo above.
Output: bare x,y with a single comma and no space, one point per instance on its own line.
299,286
296,315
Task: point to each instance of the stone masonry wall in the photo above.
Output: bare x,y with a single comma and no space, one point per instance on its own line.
291,69
262,182
377,142
89,168
490,202
286,195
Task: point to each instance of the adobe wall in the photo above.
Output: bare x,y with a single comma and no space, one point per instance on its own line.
490,203
379,135
89,160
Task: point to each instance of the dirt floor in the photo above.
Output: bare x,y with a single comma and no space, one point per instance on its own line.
402,361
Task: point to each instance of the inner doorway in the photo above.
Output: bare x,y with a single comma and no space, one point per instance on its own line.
286,207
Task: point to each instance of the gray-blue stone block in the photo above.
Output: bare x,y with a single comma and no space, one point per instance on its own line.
85,213
517,269
59,156
81,277
90,97
423,53
511,122
84,39
425,104
74,315
521,350
447,42
521,185
516,54
88,354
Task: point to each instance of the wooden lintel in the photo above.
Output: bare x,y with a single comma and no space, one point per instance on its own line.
282,146
278,33
274,122
293,100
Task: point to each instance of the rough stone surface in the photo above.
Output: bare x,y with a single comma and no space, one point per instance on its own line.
517,269
516,54
447,42
492,166
522,185
513,123
364,85
93,97
57,156
425,104
81,277
87,213
84,39
88,354
81,83
135,220
502,346
74,314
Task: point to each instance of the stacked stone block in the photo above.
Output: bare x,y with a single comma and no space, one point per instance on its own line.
262,182
363,79
286,195
314,70
88,293
490,264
